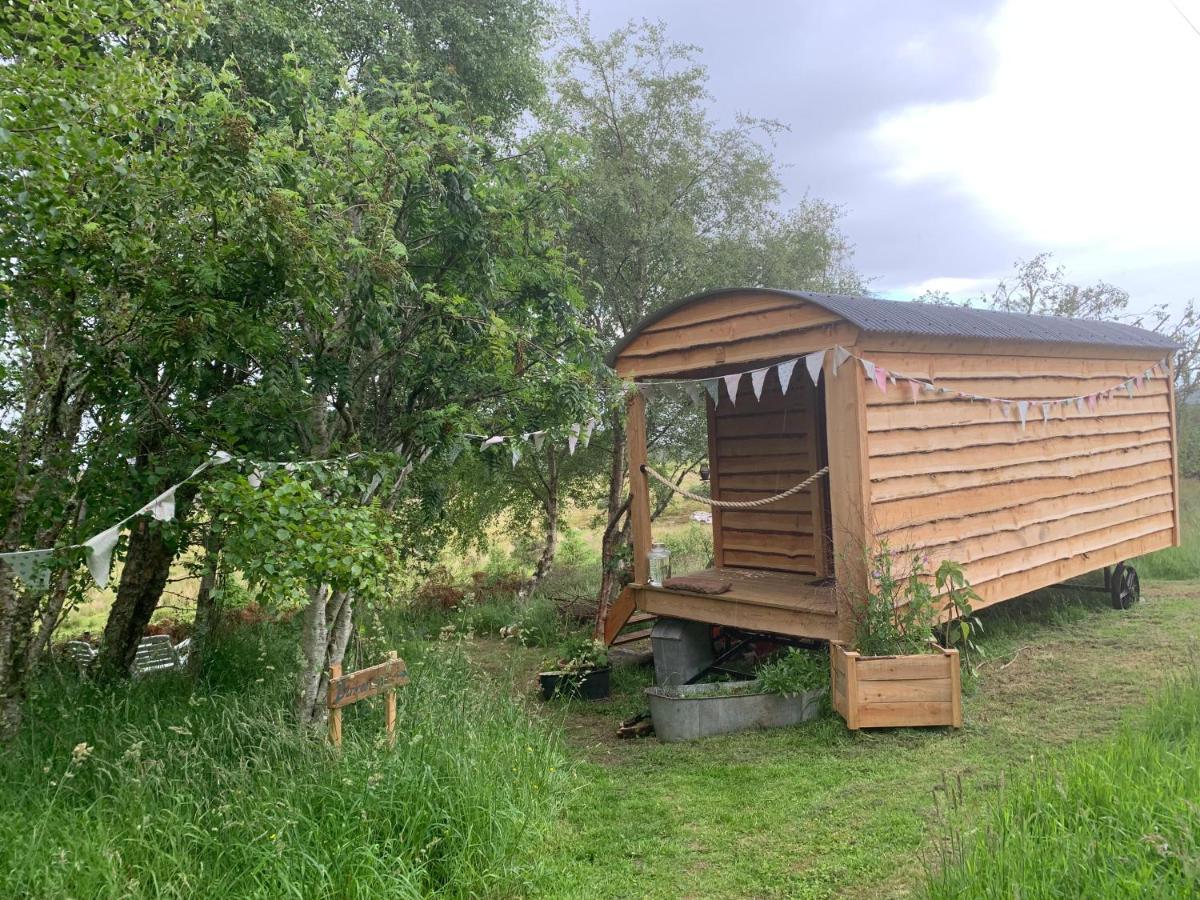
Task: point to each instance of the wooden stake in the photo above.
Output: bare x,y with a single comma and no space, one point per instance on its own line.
390,714
335,715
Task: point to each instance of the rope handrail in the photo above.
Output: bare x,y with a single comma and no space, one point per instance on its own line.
735,504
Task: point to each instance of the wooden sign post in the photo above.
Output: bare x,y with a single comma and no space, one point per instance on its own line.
347,689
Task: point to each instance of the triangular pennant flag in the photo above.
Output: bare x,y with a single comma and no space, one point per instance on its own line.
255,478
1006,409
929,388
516,453
573,438
868,368
32,567
1149,374
915,388
814,362
1079,403
693,391
539,438
494,439
98,552
1023,411
757,378
731,386
587,432
1137,381
840,355
1045,413
1091,402
881,378
162,507
784,371
1129,389
710,385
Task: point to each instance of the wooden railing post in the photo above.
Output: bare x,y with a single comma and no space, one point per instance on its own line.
335,714
639,488
390,711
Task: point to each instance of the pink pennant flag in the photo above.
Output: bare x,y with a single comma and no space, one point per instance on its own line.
731,386
881,378
1091,402
1137,381
915,388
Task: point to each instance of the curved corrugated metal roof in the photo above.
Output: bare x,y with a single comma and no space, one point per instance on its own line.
898,317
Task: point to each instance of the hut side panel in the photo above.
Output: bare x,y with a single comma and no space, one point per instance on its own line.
1021,509
763,447
731,330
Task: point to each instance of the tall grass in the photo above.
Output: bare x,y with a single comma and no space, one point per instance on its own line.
1121,819
156,790
1180,563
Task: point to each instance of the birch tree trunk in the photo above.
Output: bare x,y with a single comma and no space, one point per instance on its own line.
328,624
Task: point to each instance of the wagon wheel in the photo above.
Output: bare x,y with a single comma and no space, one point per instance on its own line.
1125,586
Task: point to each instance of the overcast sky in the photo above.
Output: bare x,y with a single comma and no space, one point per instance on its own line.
962,135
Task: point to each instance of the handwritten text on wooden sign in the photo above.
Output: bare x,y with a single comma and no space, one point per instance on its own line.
364,683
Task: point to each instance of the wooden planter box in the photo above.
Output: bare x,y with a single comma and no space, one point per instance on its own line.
896,691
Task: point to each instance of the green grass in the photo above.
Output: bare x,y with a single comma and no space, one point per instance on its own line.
817,811
1178,563
215,793
1121,819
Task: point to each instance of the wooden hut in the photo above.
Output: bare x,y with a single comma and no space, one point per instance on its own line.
1031,449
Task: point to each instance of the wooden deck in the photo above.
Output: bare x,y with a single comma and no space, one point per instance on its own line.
776,602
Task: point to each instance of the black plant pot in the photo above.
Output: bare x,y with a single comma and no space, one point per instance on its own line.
590,685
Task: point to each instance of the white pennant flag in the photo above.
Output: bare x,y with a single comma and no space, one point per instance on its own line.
256,477
731,386
98,552
757,378
32,567
162,507
587,432
840,355
495,439
710,385
220,457
784,371
814,361
573,439
1045,413
1079,404
1129,389
1023,411
516,453
869,368
539,438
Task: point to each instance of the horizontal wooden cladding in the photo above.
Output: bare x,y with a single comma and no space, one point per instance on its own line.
957,413
794,317
1036,577
764,464
1063,546
911,348
900,714
789,544
1033,523
717,308
749,351
1012,388
774,482
970,459
758,445
801,501
906,690
758,520
924,484
1011,501
891,443
938,366
772,561
772,426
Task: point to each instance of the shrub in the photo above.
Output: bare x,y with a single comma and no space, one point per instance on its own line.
795,671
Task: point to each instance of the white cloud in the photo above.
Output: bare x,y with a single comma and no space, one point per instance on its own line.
1087,141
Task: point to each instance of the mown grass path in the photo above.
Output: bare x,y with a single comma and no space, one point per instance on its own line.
816,811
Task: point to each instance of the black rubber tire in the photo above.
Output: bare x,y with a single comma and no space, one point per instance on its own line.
1125,587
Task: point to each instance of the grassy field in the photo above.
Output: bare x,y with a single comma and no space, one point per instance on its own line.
165,788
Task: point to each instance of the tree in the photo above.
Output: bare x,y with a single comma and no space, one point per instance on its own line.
670,203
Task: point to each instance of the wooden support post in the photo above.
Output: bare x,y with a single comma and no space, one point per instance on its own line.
335,714
1177,536
849,488
390,711
714,480
639,488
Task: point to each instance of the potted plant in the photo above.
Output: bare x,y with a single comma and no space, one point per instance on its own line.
785,691
580,669
896,675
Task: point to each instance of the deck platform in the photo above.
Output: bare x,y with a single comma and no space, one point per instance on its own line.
758,600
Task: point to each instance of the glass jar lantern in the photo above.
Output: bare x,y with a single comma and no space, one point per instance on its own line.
660,564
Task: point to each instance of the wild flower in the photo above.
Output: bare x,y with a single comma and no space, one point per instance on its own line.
81,752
